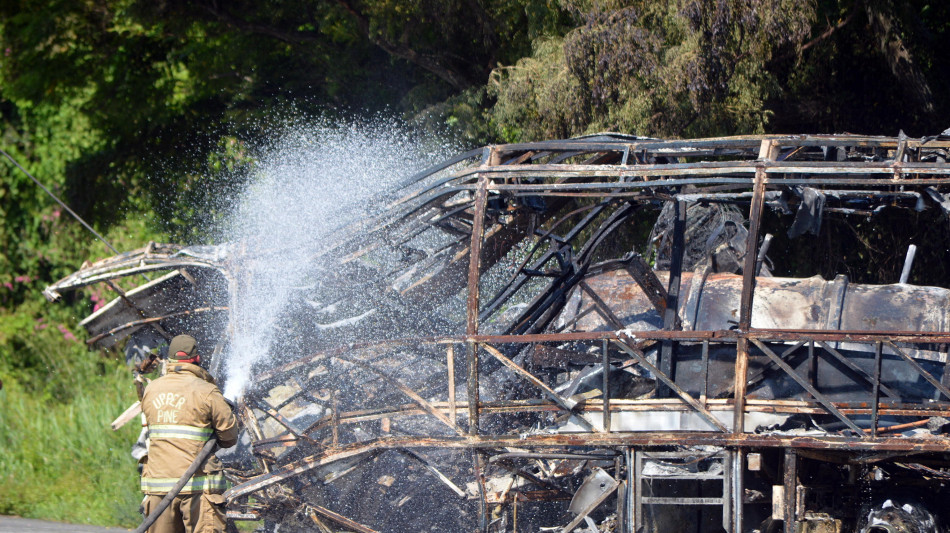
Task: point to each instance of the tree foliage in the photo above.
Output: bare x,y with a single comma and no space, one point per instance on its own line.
689,68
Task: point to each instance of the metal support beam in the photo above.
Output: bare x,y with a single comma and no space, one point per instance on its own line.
878,352
698,407
471,328
875,383
671,313
748,288
565,403
920,370
807,386
790,485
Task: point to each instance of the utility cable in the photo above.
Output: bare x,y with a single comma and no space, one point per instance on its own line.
60,202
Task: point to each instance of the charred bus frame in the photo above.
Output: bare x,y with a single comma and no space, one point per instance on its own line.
483,198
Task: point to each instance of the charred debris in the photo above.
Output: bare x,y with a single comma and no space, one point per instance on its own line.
587,335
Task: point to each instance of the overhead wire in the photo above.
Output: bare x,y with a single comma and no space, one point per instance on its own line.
60,202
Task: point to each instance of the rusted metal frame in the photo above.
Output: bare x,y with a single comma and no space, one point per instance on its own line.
572,145
876,394
552,455
151,320
920,370
427,172
750,143
875,384
605,363
715,178
747,195
748,440
481,196
408,392
279,418
794,335
646,278
712,147
754,376
629,195
790,486
601,306
532,406
745,300
705,362
478,467
632,494
671,319
517,160
519,279
533,316
395,215
560,158
450,378
724,336
806,385
708,172
858,336
491,156
565,403
698,407
339,519
471,316
706,176
539,311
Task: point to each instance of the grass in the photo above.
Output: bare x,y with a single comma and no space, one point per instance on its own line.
59,459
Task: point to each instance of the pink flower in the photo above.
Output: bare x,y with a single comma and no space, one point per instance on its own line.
23,279
8,285
66,333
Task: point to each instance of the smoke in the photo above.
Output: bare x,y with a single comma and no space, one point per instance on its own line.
312,180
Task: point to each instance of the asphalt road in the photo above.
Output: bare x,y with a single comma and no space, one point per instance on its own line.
11,524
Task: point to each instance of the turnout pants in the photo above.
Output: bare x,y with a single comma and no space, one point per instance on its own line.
188,513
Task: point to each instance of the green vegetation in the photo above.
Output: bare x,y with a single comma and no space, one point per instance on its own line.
137,113
59,459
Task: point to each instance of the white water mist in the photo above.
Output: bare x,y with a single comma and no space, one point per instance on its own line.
310,182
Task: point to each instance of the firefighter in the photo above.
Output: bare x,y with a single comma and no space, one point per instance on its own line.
183,409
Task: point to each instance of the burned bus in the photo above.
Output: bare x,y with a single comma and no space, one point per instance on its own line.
607,333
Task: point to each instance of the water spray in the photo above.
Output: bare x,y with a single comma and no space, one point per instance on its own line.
314,180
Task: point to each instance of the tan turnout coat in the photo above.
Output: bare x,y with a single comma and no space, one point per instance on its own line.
183,409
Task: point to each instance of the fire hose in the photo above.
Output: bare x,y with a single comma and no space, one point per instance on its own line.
167,500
